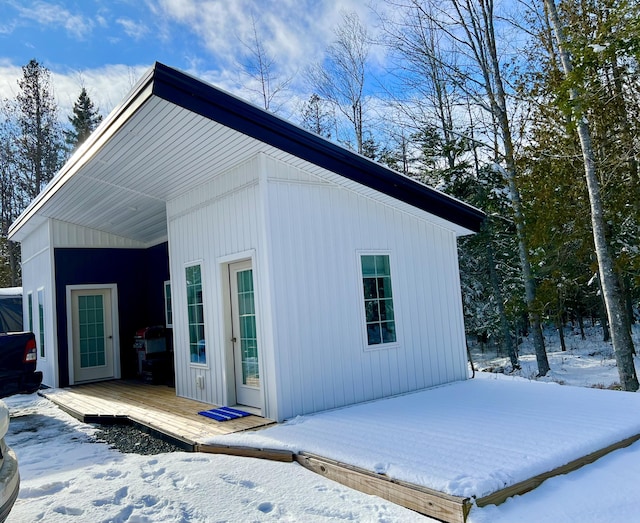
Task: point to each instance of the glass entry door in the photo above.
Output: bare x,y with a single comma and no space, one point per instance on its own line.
244,335
92,335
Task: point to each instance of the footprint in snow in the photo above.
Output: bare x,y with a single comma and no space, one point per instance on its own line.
109,474
43,490
68,511
117,498
240,482
123,515
154,474
149,501
265,507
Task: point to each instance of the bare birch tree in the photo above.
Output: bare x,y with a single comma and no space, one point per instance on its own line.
260,67
620,335
474,66
340,78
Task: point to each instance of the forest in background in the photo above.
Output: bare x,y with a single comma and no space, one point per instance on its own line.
526,111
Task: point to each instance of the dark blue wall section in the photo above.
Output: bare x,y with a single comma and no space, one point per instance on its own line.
139,274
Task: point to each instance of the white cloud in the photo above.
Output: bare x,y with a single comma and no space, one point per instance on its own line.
51,14
133,29
106,86
9,75
294,32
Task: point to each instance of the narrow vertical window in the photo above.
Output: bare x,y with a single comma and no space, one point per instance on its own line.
168,311
30,310
378,299
41,320
195,307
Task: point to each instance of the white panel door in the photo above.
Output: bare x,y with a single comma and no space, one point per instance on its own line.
93,357
244,335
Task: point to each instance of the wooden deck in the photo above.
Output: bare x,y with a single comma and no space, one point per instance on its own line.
157,409
154,408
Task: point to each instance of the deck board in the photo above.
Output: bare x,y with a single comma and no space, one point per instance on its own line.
155,407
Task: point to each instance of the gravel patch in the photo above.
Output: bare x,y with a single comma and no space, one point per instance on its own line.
131,440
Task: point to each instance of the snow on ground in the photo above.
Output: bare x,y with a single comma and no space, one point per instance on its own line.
65,477
588,362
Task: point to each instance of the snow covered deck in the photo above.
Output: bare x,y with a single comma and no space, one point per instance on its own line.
437,451
481,440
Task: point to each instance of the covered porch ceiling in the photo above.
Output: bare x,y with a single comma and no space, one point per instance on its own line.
173,133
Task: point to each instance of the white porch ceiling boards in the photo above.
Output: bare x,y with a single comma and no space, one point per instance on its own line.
174,133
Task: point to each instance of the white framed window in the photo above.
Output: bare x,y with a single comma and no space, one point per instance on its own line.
379,313
41,321
195,314
168,310
30,310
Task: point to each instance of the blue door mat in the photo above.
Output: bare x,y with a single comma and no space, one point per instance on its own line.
224,413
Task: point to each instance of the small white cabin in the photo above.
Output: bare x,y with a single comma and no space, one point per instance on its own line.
291,274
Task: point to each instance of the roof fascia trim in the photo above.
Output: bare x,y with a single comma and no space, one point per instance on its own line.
210,102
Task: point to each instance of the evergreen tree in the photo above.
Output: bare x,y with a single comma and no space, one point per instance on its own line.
40,147
9,206
316,117
31,152
84,120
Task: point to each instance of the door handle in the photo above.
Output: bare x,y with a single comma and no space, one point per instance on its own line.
234,339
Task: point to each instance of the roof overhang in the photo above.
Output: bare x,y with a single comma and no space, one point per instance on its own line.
157,144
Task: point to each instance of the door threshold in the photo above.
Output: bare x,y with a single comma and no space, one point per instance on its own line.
250,410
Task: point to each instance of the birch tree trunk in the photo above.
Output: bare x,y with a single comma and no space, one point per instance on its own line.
480,31
614,302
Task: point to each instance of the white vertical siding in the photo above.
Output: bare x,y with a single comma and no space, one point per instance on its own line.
37,273
316,231
219,219
305,236
65,234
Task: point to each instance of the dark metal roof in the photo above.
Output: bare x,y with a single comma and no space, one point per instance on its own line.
204,99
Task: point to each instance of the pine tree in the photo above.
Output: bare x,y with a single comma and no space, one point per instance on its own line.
40,147
9,206
316,116
84,120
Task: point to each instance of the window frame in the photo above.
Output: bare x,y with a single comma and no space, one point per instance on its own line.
168,305
363,300
30,310
41,322
187,266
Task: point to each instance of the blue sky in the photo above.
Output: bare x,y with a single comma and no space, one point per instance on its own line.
105,45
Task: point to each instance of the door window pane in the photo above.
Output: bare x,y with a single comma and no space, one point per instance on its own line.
247,323
91,327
